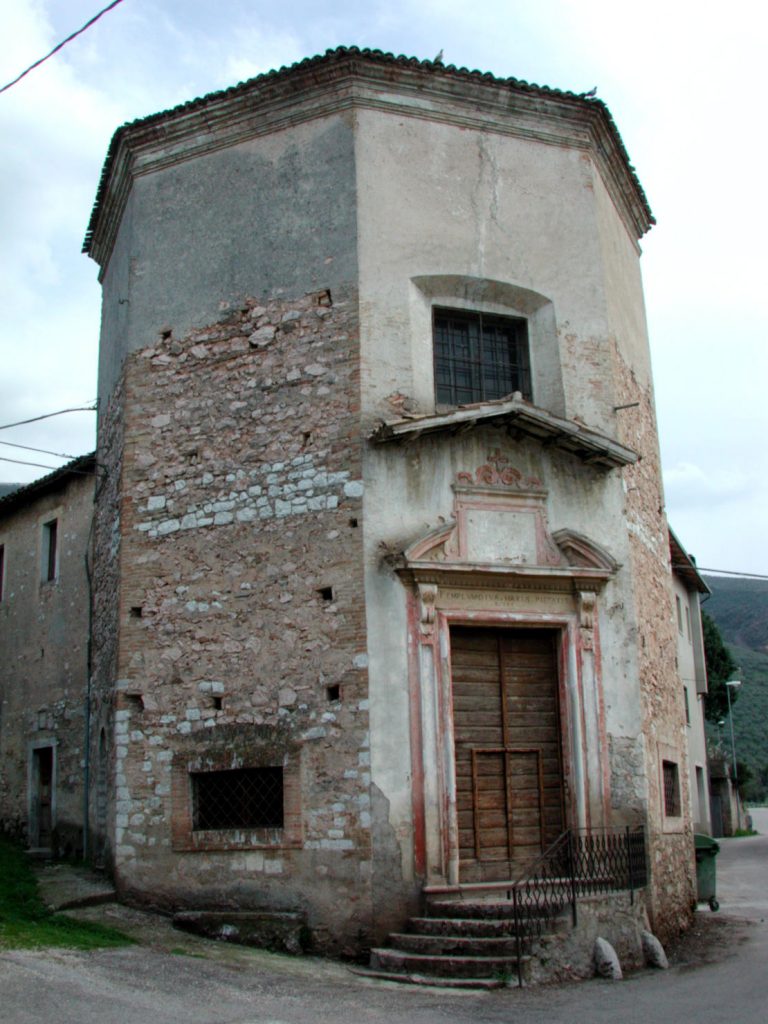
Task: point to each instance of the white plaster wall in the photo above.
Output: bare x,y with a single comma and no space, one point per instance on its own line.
623,286
435,199
513,218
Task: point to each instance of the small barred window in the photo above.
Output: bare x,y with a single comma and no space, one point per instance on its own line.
238,798
671,789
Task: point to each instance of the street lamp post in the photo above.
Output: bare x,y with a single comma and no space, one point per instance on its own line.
734,684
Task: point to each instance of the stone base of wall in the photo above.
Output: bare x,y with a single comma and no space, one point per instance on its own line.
568,955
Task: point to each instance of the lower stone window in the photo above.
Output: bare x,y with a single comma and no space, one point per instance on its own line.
238,798
236,789
672,807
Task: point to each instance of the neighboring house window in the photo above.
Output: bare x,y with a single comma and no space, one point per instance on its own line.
687,706
2,570
679,608
671,789
479,358
238,798
50,550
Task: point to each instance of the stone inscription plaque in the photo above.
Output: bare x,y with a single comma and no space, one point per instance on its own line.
515,600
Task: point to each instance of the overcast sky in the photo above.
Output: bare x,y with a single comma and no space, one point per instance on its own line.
683,79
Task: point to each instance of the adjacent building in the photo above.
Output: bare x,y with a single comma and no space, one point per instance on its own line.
45,530
688,587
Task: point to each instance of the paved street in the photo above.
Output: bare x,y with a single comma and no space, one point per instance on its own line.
131,986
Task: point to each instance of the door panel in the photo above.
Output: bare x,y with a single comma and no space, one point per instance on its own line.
507,744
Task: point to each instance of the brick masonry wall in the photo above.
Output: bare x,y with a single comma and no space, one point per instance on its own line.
670,840
241,615
105,626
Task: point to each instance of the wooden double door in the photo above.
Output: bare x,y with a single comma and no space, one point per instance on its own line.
506,722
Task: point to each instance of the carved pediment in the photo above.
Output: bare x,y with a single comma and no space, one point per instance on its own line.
500,522
580,551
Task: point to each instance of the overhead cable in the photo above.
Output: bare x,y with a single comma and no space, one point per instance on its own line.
48,415
62,44
42,451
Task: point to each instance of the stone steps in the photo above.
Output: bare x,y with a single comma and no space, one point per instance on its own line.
487,927
503,910
397,961
267,929
454,945
466,941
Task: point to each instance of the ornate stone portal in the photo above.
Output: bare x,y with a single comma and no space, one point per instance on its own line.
497,565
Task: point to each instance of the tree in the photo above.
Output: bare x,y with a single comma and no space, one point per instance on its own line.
720,667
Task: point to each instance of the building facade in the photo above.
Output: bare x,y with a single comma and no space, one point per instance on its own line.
688,587
382,595
44,626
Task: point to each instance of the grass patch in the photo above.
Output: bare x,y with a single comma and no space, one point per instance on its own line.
26,923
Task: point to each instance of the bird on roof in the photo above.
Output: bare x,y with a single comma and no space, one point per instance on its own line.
439,58
591,94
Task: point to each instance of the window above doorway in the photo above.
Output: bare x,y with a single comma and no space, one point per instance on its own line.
479,357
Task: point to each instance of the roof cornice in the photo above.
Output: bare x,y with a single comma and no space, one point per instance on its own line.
23,496
349,78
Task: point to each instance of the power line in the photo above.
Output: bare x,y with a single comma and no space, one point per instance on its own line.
48,415
80,472
732,572
42,451
18,462
62,44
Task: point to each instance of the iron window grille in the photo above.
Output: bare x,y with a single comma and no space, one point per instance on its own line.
238,798
671,789
479,358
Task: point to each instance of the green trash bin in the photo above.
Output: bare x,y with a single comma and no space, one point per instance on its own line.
706,871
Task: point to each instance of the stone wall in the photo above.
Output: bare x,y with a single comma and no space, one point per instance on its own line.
106,618
241,612
671,891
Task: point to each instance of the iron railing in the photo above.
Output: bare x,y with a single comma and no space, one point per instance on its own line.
579,863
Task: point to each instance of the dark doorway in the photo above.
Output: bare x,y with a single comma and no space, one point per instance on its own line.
42,767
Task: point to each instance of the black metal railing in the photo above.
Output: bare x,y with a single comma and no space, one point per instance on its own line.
580,862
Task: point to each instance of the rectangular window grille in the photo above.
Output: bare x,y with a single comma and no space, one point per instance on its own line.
671,789
238,798
479,358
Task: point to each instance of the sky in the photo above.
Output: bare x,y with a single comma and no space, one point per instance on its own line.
683,80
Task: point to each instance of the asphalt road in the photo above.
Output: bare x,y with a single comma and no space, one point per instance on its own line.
140,984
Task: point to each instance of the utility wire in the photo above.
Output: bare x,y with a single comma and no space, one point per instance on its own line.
18,462
42,451
80,472
62,44
729,572
48,415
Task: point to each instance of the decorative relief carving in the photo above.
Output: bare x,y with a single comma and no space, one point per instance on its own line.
497,472
427,599
587,612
